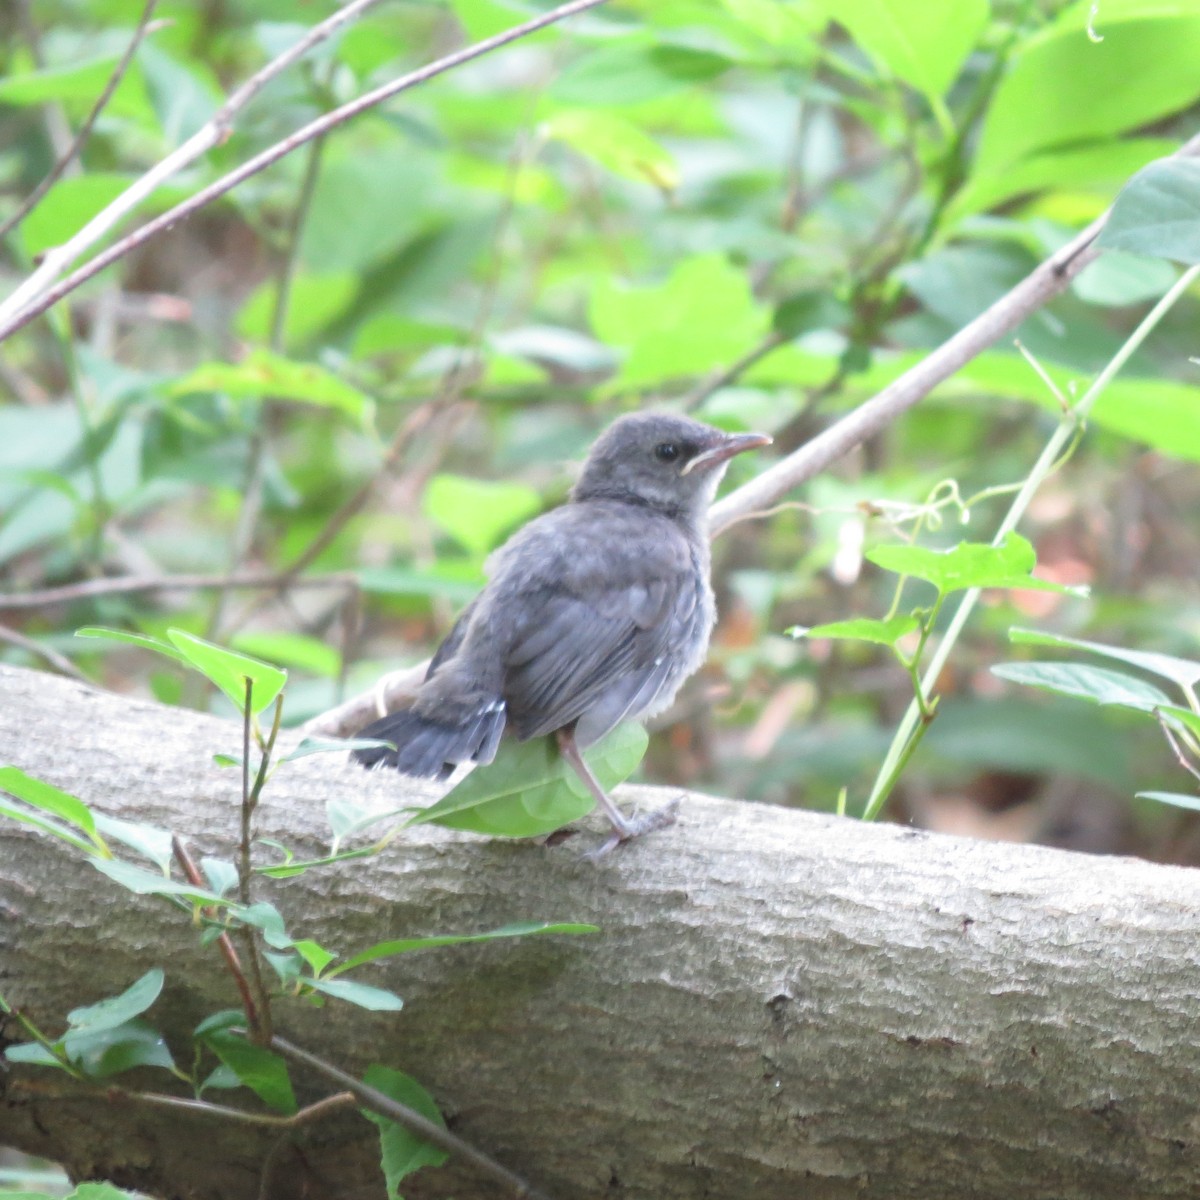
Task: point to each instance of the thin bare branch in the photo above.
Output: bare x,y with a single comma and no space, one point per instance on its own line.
60,662
410,1119
35,296
125,585
212,133
73,151
1040,286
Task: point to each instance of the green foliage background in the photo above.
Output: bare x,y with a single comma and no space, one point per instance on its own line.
766,209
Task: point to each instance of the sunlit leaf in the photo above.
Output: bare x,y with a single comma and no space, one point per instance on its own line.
229,670
265,374
864,629
478,513
969,565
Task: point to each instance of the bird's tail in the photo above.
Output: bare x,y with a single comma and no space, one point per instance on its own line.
431,749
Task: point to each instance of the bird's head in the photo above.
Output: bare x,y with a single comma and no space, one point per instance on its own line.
666,462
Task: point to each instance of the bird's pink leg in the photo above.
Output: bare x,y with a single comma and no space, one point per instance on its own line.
624,828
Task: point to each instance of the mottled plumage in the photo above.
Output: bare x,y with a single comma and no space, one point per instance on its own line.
594,613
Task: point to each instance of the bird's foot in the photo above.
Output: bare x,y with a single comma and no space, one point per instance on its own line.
632,827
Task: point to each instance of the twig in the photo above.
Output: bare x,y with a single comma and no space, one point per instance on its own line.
56,660
305,1116
211,134
412,1120
1043,283
124,585
193,876
31,300
85,130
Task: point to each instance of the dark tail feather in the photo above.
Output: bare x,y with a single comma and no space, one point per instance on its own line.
431,749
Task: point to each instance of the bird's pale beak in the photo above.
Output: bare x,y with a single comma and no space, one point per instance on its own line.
722,451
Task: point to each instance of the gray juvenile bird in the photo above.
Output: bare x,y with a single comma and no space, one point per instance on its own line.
594,613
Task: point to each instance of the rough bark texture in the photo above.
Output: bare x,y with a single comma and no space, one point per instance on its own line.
778,1005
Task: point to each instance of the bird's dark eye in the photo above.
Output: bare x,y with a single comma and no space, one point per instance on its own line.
666,452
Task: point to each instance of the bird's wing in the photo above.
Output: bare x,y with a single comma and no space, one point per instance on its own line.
610,648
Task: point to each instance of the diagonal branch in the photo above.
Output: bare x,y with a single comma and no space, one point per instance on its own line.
36,295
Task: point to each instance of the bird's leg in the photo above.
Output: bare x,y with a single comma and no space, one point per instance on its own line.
623,827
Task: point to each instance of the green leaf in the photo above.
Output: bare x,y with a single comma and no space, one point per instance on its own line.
262,373
132,639
220,874
1117,280
969,565
373,999
1062,88
116,1010
616,143
267,918
1175,799
50,827
402,1151
229,670
147,840
49,799
317,957
1182,671
703,316
1158,212
259,1069
314,302
108,1051
147,883
864,629
478,513
293,649
921,43
1097,684
528,790
406,945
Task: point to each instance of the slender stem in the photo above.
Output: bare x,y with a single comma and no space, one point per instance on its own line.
224,943
1046,461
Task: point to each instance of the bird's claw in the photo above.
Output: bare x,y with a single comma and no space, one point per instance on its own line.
632,827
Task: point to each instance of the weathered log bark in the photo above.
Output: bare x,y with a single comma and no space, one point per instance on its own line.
778,1005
